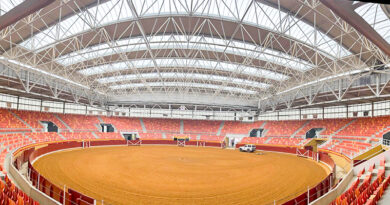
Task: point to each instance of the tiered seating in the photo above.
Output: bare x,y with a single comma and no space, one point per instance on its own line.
10,194
78,135
233,127
124,123
162,125
109,135
44,136
211,138
330,126
191,136
349,138
80,122
368,192
201,126
33,118
365,127
8,122
150,136
282,128
285,141
254,140
350,148
10,142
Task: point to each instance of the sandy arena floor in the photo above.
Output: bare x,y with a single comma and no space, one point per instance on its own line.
180,175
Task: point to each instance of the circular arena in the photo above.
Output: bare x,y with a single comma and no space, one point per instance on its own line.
176,175
194,102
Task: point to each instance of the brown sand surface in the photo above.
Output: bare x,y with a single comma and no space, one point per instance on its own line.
180,175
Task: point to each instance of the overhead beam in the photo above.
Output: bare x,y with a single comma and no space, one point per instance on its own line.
21,11
345,10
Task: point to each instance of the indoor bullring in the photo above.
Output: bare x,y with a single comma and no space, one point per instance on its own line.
194,102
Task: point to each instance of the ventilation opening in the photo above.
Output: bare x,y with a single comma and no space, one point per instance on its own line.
313,133
256,133
130,136
107,128
49,126
386,139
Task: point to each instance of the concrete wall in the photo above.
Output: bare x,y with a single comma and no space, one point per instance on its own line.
26,187
371,161
331,195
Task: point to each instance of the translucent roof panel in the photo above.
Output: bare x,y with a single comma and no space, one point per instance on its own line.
6,5
376,17
280,21
184,85
247,11
186,42
195,76
180,62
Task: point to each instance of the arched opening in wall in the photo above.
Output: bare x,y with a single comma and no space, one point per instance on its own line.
49,126
314,133
256,133
130,135
386,138
107,128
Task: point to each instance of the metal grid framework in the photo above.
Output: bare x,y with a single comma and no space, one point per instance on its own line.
268,54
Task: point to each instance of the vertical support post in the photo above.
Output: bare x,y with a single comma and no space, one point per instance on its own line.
29,173
300,114
17,103
41,105
39,176
63,201
63,108
308,195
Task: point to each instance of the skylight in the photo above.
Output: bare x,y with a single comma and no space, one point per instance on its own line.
195,76
247,11
376,17
6,5
187,42
179,62
184,85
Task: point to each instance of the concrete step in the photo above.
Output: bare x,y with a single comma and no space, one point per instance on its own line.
299,129
24,122
95,135
100,119
61,136
66,125
181,126
220,128
343,127
143,125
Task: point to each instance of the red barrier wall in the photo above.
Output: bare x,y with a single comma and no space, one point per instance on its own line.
76,198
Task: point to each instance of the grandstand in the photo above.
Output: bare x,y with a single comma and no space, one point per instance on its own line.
194,81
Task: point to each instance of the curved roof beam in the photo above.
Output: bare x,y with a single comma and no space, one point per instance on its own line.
346,11
248,31
187,86
187,70
23,9
233,69
190,54
177,76
48,15
188,43
324,20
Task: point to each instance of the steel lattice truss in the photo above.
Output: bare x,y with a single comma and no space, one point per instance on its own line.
122,50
